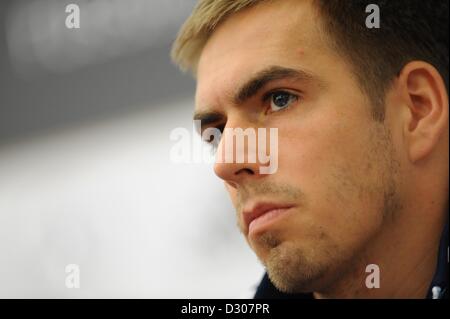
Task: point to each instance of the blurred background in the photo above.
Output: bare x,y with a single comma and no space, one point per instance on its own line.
85,172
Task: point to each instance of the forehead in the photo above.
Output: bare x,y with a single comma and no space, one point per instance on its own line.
282,32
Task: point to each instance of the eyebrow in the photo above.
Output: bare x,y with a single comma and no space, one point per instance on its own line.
208,118
264,77
251,87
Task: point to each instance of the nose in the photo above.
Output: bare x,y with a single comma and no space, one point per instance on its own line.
237,156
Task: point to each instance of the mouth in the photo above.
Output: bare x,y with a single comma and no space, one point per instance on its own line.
263,214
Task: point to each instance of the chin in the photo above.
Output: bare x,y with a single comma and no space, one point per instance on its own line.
293,270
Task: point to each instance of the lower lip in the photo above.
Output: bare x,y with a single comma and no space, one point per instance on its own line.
266,219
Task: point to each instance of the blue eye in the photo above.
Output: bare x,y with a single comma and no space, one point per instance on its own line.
213,140
281,100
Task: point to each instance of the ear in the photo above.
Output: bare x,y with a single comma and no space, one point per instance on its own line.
426,108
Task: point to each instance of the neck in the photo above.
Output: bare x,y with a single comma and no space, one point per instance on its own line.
406,253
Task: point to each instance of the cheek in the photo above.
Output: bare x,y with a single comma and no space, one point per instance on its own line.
333,166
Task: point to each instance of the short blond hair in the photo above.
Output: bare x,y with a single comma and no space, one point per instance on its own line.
197,29
375,54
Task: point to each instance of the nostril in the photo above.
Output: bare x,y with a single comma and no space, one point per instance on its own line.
245,170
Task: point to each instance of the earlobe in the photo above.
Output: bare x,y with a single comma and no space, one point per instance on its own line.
427,109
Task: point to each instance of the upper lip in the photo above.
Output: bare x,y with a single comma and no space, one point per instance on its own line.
251,212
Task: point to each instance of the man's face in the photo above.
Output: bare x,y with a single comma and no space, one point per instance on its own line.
335,162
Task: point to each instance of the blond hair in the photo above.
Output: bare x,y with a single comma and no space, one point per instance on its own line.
197,29
375,54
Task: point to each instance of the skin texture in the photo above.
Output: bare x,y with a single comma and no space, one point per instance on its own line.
364,192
